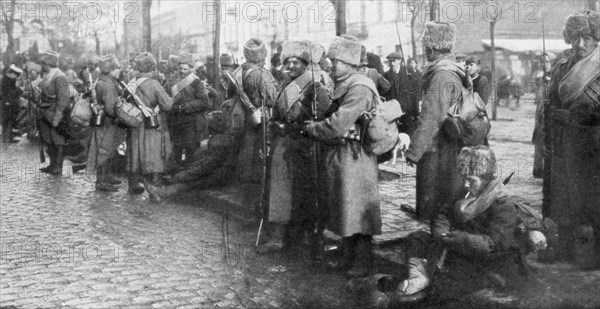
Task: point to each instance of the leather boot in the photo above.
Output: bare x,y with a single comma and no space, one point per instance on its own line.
348,248
363,263
78,167
134,186
58,163
101,182
276,240
51,153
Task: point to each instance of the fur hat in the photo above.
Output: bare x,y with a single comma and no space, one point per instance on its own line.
145,62
345,48
215,121
255,50
34,67
94,60
305,50
439,35
108,63
477,161
50,58
582,24
186,58
226,60
14,69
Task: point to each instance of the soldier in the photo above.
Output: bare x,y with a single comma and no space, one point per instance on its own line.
352,197
215,167
383,85
574,124
297,210
106,138
434,154
55,99
148,149
226,85
11,95
260,87
186,119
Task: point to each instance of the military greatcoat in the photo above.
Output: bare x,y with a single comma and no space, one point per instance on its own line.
351,174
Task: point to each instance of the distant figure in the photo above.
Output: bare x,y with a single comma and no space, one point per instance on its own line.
461,59
481,85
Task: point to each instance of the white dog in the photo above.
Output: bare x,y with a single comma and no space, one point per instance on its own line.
402,146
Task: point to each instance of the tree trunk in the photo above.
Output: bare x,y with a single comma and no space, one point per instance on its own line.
340,20
433,10
147,28
217,45
494,79
413,39
9,26
97,40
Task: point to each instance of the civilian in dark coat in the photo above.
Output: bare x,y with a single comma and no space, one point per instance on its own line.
481,85
398,79
11,95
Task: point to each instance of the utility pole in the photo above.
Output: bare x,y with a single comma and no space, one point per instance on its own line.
433,10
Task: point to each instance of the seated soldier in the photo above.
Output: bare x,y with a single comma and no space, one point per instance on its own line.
476,236
215,167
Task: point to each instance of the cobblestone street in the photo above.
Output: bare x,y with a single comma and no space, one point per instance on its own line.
65,245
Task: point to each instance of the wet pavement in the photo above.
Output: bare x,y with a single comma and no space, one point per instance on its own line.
65,245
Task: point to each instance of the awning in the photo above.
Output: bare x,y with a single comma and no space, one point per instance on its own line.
527,45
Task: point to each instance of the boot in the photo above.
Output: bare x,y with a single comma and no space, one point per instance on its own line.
112,180
157,193
348,255
101,182
276,240
78,167
51,153
363,263
58,163
417,279
134,186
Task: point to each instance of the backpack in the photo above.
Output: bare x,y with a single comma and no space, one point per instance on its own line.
234,109
379,129
467,121
81,112
128,113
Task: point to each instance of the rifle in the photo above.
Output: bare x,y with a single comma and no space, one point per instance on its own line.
137,101
264,157
320,226
546,125
401,50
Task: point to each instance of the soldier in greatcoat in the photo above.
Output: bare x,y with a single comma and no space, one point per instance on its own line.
106,138
430,149
261,88
294,201
186,119
55,99
573,122
352,196
148,149
9,101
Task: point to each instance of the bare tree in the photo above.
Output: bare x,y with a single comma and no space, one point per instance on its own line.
414,7
9,23
147,28
494,81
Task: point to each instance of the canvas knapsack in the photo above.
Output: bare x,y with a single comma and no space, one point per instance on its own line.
234,109
380,131
467,121
81,112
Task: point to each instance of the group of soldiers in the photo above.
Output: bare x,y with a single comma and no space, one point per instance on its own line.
294,139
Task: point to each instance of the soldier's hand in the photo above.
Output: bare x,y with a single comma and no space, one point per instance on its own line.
545,153
410,162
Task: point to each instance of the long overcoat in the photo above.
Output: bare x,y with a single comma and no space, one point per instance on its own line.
296,153
351,174
105,139
437,177
148,150
575,132
261,88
